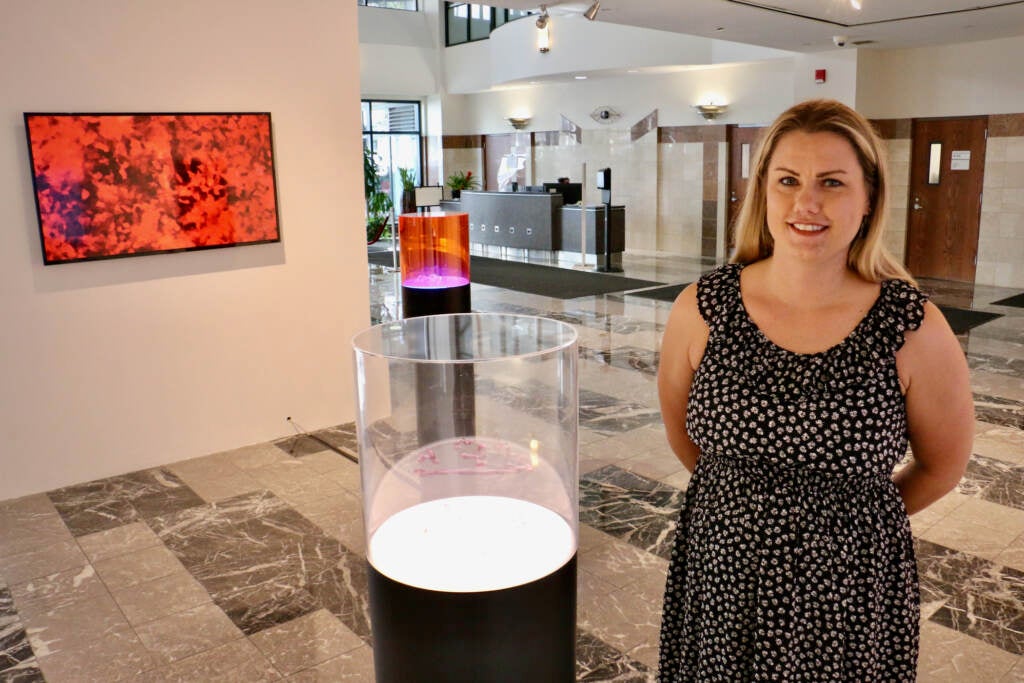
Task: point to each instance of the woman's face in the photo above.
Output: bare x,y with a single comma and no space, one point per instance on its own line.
816,196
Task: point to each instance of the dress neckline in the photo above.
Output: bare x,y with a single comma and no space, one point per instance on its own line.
854,334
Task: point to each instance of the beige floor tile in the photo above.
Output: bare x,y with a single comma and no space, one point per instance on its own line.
187,633
26,531
355,666
118,541
37,503
160,597
681,480
45,593
138,567
72,626
256,456
46,560
1016,674
986,513
969,537
591,538
235,662
1002,443
214,489
621,618
949,656
937,511
305,642
108,657
626,566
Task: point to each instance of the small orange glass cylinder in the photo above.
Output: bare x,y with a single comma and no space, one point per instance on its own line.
434,249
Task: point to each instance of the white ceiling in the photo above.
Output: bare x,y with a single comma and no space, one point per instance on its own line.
809,25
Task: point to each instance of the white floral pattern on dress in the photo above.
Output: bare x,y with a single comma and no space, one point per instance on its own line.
793,558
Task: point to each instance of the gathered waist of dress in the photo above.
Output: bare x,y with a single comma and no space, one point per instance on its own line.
795,474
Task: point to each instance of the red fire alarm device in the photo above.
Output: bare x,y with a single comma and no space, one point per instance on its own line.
819,75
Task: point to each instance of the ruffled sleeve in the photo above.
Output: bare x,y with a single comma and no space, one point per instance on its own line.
717,294
902,311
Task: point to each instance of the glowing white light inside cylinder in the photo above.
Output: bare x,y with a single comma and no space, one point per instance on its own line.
471,544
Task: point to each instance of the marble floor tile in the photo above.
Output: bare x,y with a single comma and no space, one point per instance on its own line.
23,532
625,566
187,633
139,566
235,662
45,560
306,642
948,656
112,656
159,598
17,660
598,661
354,666
45,593
116,501
120,540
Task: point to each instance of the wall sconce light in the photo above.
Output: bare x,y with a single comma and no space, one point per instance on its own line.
710,111
518,122
543,30
591,12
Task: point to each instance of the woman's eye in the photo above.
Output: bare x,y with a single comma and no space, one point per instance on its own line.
787,180
832,182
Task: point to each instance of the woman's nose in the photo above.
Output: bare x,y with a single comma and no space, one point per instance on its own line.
809,198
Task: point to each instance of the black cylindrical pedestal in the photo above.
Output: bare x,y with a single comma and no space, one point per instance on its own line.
517,635
417,301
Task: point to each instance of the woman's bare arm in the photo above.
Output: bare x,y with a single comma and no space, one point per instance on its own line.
940,411
682,348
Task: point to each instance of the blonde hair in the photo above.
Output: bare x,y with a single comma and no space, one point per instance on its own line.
868,256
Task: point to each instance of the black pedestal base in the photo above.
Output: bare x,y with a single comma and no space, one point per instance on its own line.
417,302
524,634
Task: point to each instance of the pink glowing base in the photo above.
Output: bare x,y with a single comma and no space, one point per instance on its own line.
434,281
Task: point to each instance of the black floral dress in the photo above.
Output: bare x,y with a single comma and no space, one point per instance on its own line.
793,559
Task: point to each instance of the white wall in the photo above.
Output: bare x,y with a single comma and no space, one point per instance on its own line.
840,76
112,366
952,80
755,92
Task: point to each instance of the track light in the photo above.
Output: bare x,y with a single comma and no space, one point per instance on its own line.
591,12
542,20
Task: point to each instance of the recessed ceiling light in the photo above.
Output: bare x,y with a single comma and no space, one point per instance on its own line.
632,71
580,78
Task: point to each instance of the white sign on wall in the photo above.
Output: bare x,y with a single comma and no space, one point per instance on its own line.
960,160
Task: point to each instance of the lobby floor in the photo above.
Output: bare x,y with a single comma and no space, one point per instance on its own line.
247,565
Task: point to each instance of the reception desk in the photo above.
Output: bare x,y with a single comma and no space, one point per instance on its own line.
537,221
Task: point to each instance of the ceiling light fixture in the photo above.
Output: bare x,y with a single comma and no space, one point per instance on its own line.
591,12
855,4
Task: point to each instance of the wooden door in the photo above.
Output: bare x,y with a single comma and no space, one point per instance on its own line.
947,167
742,145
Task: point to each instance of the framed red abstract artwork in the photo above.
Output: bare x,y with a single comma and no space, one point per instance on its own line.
113,185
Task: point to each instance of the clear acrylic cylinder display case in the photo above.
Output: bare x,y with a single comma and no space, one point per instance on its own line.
468,455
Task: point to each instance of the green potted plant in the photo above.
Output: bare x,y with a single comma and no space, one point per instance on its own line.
378,203
462,180
408,178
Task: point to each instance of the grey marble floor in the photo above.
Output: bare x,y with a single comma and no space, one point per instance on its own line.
247,565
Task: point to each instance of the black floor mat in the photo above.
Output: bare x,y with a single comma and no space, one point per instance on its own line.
1017,300
559,283
666,293
963,320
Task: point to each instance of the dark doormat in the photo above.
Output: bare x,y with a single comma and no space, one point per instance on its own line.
558,283
666,293
1016,300
963,320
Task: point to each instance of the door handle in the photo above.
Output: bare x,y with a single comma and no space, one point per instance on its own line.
732,197
917,204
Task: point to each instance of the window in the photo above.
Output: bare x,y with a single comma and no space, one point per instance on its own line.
392,130
410,5
466,22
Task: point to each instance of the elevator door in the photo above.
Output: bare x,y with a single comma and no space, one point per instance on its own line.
743,142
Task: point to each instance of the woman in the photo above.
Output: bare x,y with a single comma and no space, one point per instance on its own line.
790,382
